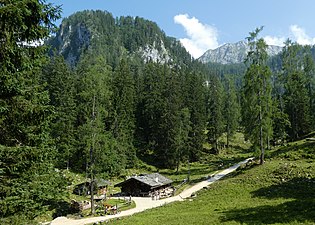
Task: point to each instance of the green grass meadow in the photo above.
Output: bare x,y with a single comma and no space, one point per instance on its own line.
282,191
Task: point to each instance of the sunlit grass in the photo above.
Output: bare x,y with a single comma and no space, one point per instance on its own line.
279,192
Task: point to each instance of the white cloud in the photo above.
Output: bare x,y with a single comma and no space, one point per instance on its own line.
300,35
278,41
297,34
201,37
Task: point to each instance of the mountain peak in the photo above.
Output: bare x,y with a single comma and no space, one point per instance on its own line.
231,53
99,32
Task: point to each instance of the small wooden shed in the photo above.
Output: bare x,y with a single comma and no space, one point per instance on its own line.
144,184
100,188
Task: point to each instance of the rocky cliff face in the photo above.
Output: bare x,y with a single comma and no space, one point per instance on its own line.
233,53
71,39
100,32
151,52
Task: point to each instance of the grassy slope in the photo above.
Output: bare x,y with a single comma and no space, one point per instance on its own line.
282,191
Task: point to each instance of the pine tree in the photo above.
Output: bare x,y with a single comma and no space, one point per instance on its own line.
195,101
124,109
151,107
257,107
97,149
296,94
181,136
29,184
309,70
215,123
175,123
231,110
280,120
61,87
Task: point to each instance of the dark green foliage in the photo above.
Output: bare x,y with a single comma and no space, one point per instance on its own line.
113,38
61,87
170,119
123,124
231,110
93,104
297,100
309,70
256,105
215,104
29,183
195,94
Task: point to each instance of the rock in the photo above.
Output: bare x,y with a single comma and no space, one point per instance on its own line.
233,53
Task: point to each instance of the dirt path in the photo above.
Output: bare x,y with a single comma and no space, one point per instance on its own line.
143,204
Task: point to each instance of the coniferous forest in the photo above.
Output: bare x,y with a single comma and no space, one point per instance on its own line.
104,94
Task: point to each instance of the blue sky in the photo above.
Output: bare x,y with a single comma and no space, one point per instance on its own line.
206,24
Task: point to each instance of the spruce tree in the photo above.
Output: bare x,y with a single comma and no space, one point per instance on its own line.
123,104
215,123
95,151
257,107
231,110
195,101
29,183
61,87
152,107
309,70
296,94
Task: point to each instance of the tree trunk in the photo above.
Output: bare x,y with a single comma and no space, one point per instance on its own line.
177,163
188,177
92,158
228,136
92,196
262,150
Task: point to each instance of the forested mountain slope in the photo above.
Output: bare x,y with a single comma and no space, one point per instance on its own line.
114,37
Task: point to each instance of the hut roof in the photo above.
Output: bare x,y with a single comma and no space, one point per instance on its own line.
102,183
153,180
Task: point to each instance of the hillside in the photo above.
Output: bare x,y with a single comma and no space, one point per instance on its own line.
113,37
279,192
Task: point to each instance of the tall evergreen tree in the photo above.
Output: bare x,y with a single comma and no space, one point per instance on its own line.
257,107
309,70
61,87
231,110
215,123
97,147
124,109
93,124
296,93
175,123
280,119
195,101
152,105
28,182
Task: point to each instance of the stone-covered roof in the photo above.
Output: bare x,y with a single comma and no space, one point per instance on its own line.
153,180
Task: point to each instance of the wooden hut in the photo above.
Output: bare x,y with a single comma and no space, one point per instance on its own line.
145,185
100,188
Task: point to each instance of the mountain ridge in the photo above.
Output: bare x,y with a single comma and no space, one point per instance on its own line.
116,37
232,53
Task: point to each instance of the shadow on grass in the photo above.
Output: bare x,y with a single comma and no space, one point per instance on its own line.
292,151
293,211
239,149
207,168
62,208
300,188
301,209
